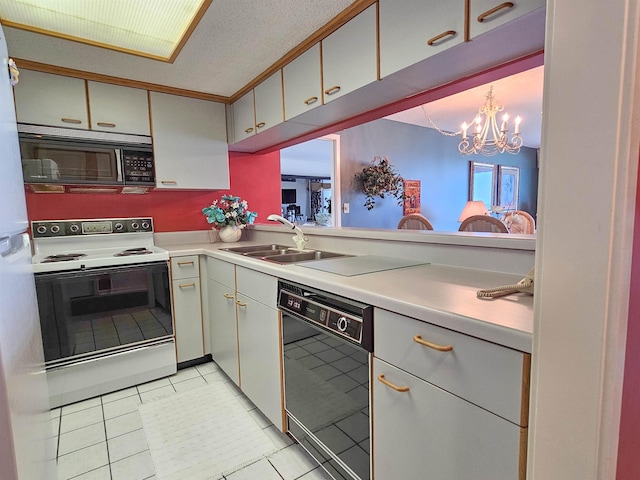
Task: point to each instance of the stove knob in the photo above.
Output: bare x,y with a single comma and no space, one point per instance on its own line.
135,225
55,228
145,225
41,229
342,324
118,227
74,228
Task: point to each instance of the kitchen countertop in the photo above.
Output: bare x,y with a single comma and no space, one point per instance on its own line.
438,294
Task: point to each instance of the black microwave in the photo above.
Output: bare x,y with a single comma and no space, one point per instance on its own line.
59,159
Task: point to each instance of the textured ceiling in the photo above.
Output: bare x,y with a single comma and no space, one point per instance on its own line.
235,42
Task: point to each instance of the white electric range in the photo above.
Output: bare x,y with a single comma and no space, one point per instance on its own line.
105,305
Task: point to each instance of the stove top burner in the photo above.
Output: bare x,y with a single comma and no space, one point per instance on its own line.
63,257
133,251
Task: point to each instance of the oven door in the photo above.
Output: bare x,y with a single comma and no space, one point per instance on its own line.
327,397
93,312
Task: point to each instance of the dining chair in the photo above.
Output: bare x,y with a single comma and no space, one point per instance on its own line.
483,223
519,221
414,221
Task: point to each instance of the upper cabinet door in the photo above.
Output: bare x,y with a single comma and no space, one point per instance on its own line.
349,56
46,99
268,102
412,30
189,143
488,14
302,83
244,122
118,109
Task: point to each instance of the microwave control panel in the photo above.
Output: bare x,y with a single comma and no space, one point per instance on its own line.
138,168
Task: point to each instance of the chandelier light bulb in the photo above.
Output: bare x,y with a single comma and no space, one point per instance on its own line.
505,119
465,127
517,129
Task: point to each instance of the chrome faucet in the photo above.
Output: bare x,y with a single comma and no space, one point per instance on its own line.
299,238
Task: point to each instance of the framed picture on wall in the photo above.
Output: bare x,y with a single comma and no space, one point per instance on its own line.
412,197
508,187
483,178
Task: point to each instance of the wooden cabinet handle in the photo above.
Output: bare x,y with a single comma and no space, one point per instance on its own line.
71,120
310,100
440,348
260,125
248,130
227,296
107,125
442,36
184,263
391,385
240,304
332,90
496,9
168,182
187,285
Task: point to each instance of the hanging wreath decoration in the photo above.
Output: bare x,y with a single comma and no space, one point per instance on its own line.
380,179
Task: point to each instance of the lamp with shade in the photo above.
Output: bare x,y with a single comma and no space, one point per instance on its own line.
473,207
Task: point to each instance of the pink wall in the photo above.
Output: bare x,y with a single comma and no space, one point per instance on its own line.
629,439
255,178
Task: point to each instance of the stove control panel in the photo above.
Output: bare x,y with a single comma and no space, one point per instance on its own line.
104,226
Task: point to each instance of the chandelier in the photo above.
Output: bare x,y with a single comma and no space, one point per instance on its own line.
487,139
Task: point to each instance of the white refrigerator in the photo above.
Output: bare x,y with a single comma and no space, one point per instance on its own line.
27,449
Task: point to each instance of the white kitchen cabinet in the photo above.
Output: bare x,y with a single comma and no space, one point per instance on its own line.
302,83
245,333
189,143
426,432
221,294
115,108
259,342
488,14
244,117
224,328
187,308
465,412
269,102
412,30
349,56
55,100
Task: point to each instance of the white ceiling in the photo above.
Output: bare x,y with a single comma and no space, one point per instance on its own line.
235,42
521,94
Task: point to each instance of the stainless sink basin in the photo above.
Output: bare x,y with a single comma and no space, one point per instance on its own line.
282,254
302,256
255,248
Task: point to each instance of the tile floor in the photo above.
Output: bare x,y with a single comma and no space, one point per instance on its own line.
102,438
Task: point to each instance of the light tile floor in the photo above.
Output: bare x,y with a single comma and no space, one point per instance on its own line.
102,438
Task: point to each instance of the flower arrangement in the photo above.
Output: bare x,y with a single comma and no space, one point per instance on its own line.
229,210
380,179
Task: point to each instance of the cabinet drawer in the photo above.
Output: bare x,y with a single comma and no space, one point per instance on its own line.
486,374
221,271
184,267
256,285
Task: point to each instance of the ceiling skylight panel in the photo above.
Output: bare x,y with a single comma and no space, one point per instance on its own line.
152,28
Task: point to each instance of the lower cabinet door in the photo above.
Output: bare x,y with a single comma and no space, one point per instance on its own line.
260,367
426,432
224,330
188,318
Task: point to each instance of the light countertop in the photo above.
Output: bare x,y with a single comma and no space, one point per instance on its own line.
438,294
